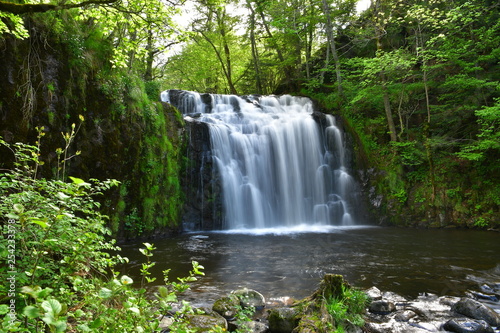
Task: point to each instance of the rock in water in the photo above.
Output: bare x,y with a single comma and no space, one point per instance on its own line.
382,307
476,310
250,298
465,325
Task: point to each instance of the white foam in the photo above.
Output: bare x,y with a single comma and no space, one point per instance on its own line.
298,229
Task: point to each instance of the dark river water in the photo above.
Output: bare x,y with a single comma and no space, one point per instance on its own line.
282,263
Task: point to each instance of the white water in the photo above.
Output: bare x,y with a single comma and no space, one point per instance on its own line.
279,168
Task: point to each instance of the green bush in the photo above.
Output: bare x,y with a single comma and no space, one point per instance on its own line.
55,255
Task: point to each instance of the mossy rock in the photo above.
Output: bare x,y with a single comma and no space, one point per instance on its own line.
330,287
205,323
227,306
283,320
309,324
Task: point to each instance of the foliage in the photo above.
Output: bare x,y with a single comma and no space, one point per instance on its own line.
488,139
60,258
348,308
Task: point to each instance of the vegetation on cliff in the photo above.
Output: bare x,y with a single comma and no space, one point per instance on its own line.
71,63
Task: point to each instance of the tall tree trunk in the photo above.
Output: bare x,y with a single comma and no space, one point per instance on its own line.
276,47
335,56
255,54
150,55
379,32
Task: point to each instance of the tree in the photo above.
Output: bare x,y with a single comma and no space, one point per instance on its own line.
139,29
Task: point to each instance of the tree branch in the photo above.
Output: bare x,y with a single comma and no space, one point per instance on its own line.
18,9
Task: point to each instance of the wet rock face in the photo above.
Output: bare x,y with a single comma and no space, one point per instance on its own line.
201,182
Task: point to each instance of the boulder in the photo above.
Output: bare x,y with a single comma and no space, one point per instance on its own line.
465,325
205,323
252,327
382,307
250,298
227,306
476,310
374,293
282,320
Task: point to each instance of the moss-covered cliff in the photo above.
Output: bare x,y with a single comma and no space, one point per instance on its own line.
50,79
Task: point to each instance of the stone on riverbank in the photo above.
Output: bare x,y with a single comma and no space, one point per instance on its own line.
465,325
227,306
250,298
206,323
283,320
382,307
476,310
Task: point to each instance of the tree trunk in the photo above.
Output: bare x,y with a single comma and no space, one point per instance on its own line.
335,56
255,54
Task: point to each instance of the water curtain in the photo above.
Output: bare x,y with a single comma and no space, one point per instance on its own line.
279,166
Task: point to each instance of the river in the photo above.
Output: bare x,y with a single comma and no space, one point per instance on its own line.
291,262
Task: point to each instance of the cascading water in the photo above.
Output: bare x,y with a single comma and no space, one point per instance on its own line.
278,166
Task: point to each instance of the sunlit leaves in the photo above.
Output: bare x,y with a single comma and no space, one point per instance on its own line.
16,28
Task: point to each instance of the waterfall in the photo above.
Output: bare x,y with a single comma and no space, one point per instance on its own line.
279,167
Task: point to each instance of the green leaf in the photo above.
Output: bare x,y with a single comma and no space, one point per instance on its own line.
31,312
96,323
60,326
135,310
3,309
62,196
163,291
105,293
52,306
79,313
41,223
48,318
79,182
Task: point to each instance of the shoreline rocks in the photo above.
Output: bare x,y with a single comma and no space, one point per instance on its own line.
430,313
246,310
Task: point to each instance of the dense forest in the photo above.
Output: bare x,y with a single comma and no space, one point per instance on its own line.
415,81
83,133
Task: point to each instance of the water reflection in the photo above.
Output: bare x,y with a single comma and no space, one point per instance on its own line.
282,263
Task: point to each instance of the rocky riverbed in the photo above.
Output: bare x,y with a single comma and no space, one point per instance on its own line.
385,312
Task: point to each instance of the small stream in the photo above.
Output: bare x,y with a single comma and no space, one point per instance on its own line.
291,262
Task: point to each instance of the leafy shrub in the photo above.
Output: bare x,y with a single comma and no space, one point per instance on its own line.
55,254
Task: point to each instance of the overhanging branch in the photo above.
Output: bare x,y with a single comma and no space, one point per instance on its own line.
19,9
